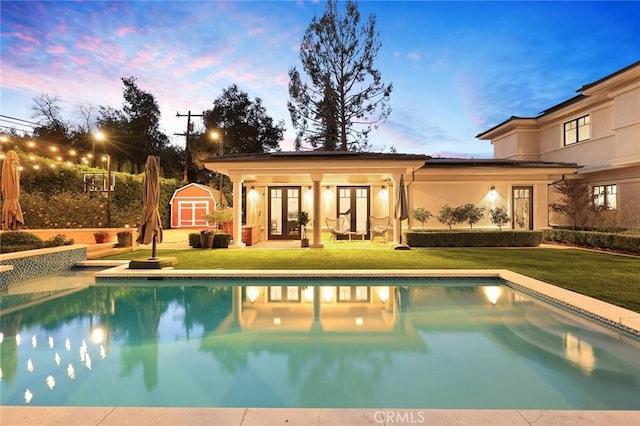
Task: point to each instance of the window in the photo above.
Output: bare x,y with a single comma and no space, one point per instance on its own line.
353,294
577,130
284,294
604,197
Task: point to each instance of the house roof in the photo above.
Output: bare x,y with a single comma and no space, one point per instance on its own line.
317,155
563,104
491,162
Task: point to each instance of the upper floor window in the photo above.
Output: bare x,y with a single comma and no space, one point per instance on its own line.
604,197
577,130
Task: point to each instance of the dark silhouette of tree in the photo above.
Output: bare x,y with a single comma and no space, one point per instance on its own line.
345,97
242,126
133,133
47,110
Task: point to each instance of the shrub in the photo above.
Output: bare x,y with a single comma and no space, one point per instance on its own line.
499,216
421,214
626,243
58,240
194,240
448,216
474,239
18,241
221,240
470,213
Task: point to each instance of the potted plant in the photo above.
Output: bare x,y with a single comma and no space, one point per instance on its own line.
125,239
303,220
101,236
206,238
221,218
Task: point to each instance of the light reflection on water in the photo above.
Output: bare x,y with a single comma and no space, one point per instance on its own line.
269,343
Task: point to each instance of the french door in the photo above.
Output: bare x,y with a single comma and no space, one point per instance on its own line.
353,205
284,206
522,217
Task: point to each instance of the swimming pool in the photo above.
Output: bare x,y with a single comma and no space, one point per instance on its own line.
358,343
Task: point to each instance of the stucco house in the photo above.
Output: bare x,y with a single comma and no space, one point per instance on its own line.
595,136
273,187
599,129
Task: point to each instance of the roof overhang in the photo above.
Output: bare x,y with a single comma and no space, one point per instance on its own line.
302,166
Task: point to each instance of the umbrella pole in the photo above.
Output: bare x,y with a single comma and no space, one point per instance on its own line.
153,248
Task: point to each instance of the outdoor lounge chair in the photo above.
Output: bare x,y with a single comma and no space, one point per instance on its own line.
336,228
379,227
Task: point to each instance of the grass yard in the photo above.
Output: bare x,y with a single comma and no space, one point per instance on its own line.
608,277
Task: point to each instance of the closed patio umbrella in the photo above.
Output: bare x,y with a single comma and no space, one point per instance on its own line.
12,218
402,207
150,230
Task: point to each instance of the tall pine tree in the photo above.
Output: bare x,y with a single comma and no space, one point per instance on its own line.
344,97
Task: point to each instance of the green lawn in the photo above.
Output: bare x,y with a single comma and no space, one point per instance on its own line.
611,278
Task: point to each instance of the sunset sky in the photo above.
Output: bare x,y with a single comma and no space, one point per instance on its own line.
458,68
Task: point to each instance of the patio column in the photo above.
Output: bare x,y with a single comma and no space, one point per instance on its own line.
237,212
317,212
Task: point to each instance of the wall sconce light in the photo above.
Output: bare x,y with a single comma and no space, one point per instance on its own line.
492,192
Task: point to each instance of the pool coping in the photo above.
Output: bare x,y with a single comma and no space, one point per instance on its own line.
104,416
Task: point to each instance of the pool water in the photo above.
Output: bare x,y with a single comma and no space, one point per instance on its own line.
402,343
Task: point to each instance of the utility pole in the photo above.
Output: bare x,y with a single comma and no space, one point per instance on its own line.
187,152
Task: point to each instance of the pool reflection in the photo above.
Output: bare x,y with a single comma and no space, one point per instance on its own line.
338,340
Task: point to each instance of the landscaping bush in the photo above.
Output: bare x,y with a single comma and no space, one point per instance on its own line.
474,239
626,243
221,240
11,241
58,240
194,240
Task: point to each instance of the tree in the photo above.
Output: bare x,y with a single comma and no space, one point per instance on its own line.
470,213
243,127
345,97
421,215
47,110
576,202
446,216
134,132
499,216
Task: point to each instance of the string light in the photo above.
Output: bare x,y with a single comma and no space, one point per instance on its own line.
64,155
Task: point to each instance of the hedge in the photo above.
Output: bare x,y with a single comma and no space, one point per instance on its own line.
11,241
626,243
473,238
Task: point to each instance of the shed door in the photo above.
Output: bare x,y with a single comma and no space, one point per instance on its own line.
192,213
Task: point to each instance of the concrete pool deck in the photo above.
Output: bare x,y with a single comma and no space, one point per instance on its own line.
117,416
71,416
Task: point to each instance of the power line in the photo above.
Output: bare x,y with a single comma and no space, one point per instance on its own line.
187,153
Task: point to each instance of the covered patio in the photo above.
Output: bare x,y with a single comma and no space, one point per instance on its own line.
328,185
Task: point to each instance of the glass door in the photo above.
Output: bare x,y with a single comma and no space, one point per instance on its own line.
522,207
284,205
353,205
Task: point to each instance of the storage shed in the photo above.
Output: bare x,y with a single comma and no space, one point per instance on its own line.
191,203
